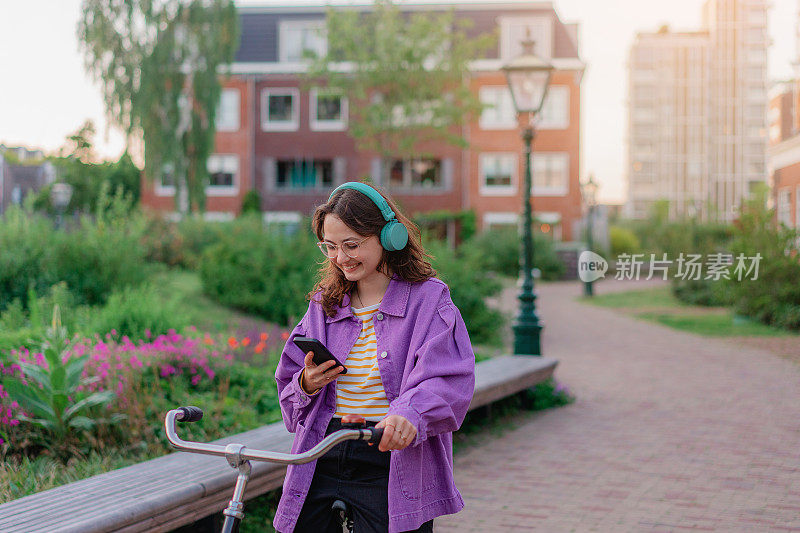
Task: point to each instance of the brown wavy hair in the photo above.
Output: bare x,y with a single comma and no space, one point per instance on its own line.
362,215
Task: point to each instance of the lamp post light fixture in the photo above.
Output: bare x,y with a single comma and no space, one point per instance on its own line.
589,190
528,77
60,196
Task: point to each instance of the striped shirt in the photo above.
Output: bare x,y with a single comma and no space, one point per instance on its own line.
360,391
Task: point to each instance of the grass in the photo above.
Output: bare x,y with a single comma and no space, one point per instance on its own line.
660,306
716,325
660,297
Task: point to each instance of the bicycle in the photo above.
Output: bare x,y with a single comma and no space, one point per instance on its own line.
239,457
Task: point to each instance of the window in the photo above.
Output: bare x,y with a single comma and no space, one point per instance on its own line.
550,173
279,109
797,208
328,111
165,183
304,174
222,175
406,173
300,36
555,110
228,110
784,207
513,30
498,174
498,113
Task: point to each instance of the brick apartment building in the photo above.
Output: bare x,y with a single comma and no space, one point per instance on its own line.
783,155
292,145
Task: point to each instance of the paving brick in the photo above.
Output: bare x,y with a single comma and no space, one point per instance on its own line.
670,432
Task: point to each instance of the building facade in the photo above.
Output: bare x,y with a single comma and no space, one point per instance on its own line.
784,153
291,143
669,144
707,108
22,172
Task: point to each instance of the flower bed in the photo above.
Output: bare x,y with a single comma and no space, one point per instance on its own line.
112,413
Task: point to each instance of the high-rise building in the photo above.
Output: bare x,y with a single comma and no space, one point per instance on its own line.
697,113
668,122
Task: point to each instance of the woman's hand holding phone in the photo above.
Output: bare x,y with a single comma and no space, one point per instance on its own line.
317,376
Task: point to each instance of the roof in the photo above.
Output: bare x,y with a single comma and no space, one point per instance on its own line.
259,25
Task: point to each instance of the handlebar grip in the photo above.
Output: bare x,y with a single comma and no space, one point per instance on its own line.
377,435
190,413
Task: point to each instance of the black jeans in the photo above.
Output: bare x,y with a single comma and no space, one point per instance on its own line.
357,474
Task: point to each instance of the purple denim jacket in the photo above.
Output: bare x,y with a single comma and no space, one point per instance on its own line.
428,371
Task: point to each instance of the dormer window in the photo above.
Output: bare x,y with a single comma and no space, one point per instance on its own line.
299,36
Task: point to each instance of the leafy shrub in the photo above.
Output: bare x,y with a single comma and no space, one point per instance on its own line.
251,203
499,251
774,297
260,271
469,287
51,392
623,241
702,292
93,258
137,313
149,378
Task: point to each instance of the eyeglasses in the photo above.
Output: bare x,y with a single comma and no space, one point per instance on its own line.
350,248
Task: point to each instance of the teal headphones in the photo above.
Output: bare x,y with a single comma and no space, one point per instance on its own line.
394,235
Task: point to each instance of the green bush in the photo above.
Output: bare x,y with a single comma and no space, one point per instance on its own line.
702,292
251,203
54,396
92,258
181,243
774,297
623,241
469,287
499,251
137,313
261,271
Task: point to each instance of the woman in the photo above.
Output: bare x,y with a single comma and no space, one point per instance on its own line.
410,370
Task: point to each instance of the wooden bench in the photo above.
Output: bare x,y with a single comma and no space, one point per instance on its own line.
177,489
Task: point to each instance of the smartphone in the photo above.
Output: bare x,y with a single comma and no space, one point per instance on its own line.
321,353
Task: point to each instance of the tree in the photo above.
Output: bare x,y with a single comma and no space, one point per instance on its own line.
406,77
157,61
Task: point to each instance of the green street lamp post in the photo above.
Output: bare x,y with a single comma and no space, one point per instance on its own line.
589,190
528,77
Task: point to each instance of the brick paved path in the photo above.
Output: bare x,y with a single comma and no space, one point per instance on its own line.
670,432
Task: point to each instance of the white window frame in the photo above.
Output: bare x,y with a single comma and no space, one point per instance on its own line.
408,185
559,122
797,207
784,207
510,123
161,189
498,190
280,125
286,26
500,219
551,191
234,122
541,32
235,168
326,125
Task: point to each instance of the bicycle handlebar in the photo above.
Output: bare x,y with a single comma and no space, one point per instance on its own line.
193,414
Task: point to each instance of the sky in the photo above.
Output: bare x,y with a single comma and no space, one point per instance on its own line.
46,94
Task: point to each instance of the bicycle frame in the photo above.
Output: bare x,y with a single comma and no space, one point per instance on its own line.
239,456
